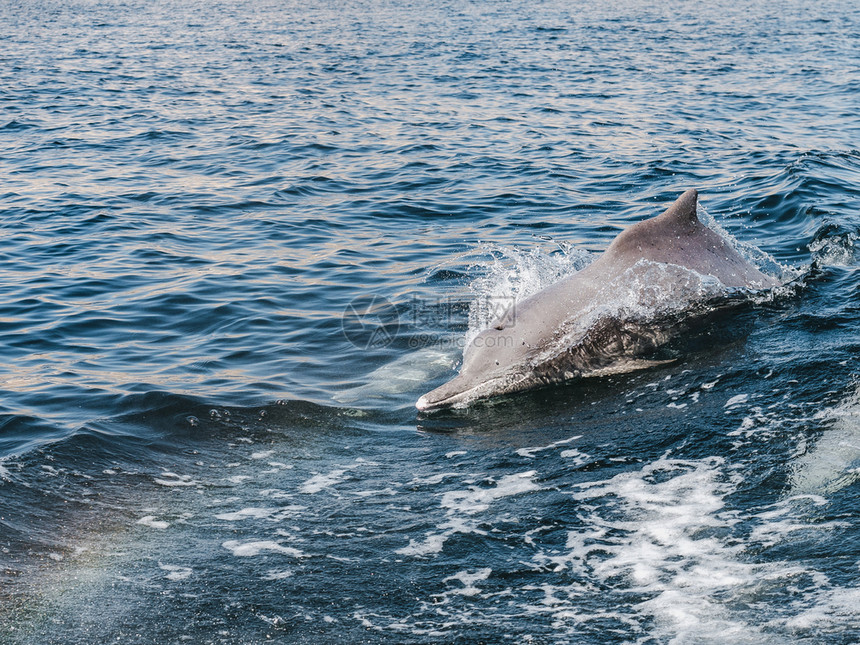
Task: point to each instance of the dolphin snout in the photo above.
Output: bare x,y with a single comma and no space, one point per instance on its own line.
424,403
443,396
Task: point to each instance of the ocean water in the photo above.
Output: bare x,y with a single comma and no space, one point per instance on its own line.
241,239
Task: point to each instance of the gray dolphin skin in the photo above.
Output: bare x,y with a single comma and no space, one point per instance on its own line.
555,335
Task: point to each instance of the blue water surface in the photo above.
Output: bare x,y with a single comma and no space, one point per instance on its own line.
241,239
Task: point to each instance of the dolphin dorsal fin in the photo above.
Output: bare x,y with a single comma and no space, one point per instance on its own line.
683,211
678,220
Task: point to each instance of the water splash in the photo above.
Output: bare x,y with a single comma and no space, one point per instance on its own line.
834,248
515,274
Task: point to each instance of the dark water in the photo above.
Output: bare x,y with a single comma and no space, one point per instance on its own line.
192,449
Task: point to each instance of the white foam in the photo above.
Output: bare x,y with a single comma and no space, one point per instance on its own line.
461,505
322,481
737,399
275,493
664,533
431,544
531,452
782,521
255,547
476,500
578,458
432,480
172,479
833,609
176,572
276,467
150,521
374,492
262,454
276,574
754,422
659,535
246,513
239,479
468,581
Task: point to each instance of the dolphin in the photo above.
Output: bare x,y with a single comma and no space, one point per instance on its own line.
604,318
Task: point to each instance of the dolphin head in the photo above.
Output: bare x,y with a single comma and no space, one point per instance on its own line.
493,363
